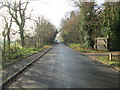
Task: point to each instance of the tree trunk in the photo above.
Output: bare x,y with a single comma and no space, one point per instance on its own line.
8,38
22,36
4,43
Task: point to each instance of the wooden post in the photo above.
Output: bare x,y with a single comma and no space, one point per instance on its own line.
108,43
110,56
95,46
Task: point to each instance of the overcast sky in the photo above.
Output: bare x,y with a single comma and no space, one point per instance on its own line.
53,10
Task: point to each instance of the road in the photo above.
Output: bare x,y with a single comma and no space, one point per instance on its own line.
63,67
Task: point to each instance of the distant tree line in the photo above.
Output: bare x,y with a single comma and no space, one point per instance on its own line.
45,32
93,21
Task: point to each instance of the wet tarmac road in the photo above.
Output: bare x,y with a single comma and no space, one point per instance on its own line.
63,67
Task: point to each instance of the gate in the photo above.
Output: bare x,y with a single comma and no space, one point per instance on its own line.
102,43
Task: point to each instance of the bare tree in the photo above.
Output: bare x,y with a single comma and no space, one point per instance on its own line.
8,27
17,12
6,32
45,32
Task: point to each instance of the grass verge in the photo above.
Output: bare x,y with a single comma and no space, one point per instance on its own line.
20,53
105,59
80,47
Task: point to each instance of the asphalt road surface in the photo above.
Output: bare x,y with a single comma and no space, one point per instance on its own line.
63,67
